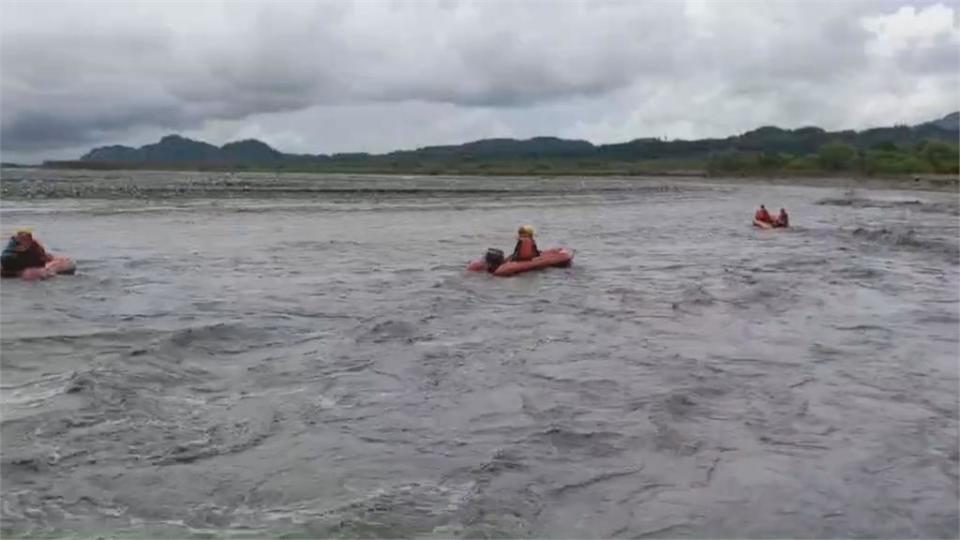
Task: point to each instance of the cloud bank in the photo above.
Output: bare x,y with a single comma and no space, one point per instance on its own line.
376,76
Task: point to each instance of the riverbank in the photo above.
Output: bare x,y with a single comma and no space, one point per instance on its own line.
938,183
42,182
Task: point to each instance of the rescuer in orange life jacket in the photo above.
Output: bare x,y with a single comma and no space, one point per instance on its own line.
526,246
23,251
762,215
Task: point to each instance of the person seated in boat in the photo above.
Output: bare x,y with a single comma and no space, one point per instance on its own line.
22,251
783,220
493,259
762,215
526,248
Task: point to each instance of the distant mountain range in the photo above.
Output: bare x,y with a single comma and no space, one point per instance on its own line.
948,122
177,151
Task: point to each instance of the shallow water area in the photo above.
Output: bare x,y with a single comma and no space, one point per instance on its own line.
312,360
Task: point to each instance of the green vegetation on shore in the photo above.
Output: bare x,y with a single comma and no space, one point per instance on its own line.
556,166
928,148
883,159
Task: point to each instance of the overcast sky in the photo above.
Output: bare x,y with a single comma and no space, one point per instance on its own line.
375,75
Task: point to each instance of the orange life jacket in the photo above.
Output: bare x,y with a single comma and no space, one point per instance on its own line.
763,215
526,249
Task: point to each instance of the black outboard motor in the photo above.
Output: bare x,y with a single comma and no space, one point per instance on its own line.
494,258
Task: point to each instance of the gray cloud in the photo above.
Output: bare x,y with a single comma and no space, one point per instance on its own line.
941,56
43,129
325,76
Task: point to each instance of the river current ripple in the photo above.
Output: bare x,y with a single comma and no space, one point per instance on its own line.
240,357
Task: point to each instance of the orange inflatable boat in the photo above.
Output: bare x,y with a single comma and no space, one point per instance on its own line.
59,265
765,225
762,224
553,257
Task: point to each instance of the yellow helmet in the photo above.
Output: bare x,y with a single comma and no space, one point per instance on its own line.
526,230
20,230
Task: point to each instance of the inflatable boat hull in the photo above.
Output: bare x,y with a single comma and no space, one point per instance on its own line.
550,258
